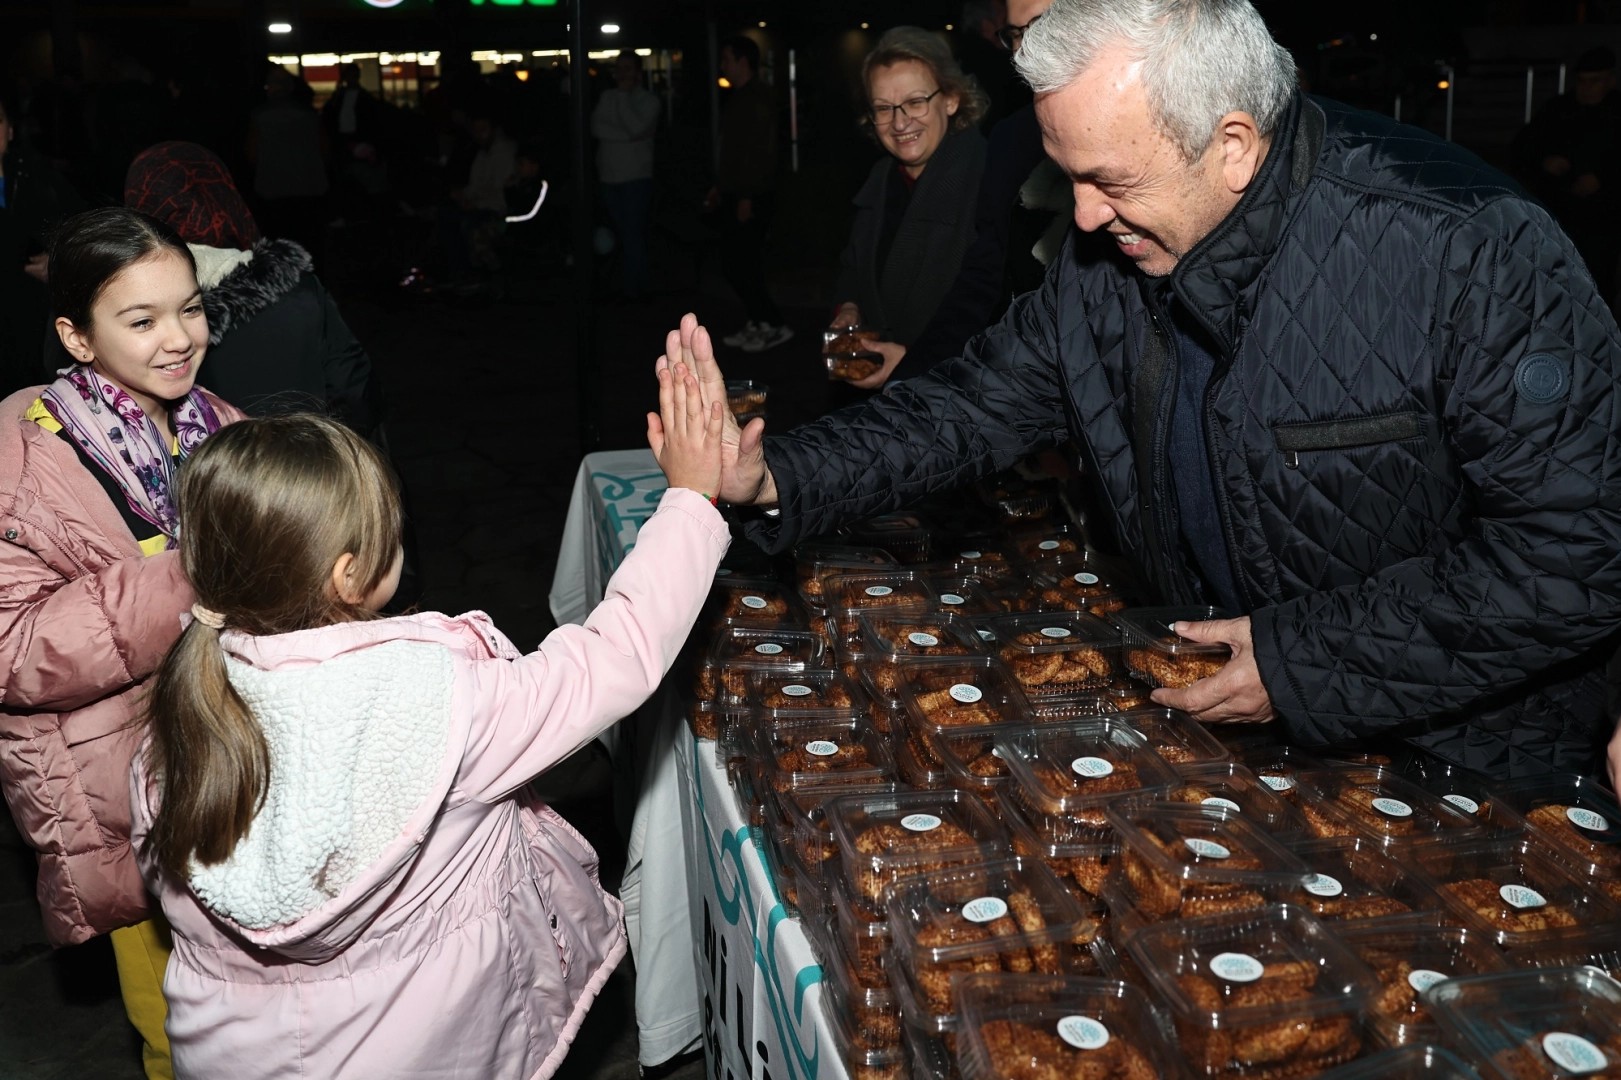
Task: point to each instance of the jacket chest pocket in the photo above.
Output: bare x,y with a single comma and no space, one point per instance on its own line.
1350,433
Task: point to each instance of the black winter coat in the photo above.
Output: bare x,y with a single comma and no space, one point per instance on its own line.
1413,428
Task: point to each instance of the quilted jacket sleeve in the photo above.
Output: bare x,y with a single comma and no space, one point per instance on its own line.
533,712
967,417
1536,579
64,645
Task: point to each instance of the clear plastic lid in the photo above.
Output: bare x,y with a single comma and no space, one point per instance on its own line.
851,595
804,810
966,596
1353,878
1082,582
890,637
1056,653
1018,499
803,756
861,931
804,695
1079,855
1080,768
815,561
1006,914
883,838
741,651
1577,817
1465,789
918,761
1177,737
902,534
1186,861
1597,947
1408,960
1552,1023
861,1060
984,557
872,1013
749,601
1509,890
1267,992
1278,766
1019,1025
971,762
1230,786
1158,655
962,695
1048,542
1418,1061
1377,803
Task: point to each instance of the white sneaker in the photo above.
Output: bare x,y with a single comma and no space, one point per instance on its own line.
769,337
740,338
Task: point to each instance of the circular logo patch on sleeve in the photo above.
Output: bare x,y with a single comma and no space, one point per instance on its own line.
1541,379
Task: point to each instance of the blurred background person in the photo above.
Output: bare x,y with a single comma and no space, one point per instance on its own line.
1569,155
981,53
354,121
471,223
34,198
914,215
624,122
289,175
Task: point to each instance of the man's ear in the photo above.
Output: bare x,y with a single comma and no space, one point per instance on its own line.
343,578
74,340
1242,148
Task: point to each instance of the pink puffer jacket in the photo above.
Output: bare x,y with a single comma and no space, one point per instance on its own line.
395,910
84,620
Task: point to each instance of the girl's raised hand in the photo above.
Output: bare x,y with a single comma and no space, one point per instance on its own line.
685,436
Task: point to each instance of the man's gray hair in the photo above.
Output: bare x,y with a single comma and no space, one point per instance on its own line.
1202,59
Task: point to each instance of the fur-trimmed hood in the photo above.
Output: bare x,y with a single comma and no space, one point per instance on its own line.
271,270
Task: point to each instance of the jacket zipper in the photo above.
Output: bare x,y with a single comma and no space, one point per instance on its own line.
1162,498
1224,508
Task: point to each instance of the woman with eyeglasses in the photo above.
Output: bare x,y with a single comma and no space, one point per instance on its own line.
915,212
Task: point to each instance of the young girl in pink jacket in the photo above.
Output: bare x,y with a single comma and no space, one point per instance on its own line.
327,806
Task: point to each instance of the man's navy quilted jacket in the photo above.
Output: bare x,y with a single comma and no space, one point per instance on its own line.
1412,427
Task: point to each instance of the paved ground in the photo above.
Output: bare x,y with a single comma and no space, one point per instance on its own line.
485,430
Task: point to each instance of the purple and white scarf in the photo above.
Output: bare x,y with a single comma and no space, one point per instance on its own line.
106,423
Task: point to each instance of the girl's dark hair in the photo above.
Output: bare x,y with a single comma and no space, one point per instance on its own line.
267,506
90,249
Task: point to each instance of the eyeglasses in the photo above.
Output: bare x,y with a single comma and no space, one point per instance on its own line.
1011,35
916,108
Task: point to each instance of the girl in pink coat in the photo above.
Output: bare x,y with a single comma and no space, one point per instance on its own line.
327,805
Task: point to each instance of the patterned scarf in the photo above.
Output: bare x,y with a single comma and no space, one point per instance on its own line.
106,423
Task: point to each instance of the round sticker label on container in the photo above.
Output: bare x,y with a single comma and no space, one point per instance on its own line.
1206,849
951,598
821,748
1522,897
986,635
1083,1033
1048,545
1573,1053
1277,783
918,637
1093,768
1393,808
1083,578
1324,885
879,590
966,693
920,822
1421,979
1236,967
985,909
797,690
1054,632
1225,804
768,648
1587,819
1464,803
972,554
755,602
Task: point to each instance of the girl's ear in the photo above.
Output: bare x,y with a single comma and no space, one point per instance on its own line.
75,341
342,581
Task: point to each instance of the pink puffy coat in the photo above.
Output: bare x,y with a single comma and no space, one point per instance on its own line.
395,910
84,619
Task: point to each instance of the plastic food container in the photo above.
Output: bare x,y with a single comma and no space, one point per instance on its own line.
1555,1023
1181,862
851,595
966,596
1019,1025
1230,786
1418,1061
1079,769
746,601
860,1062
967,695
1408,960
1079,855
1159,656
741,652
903,535
884,838
803,811
1379,804
971,762
1178,738
918,760
871,1012
1078,582
849,353
746,398
1578,819
1599,947
1048,542
1019,500
1467,790
805,756
1057,653
862,930
890,640
1258,993
1353,879
814,561
1278,767
981,556
1004,915
786,697
1508,890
